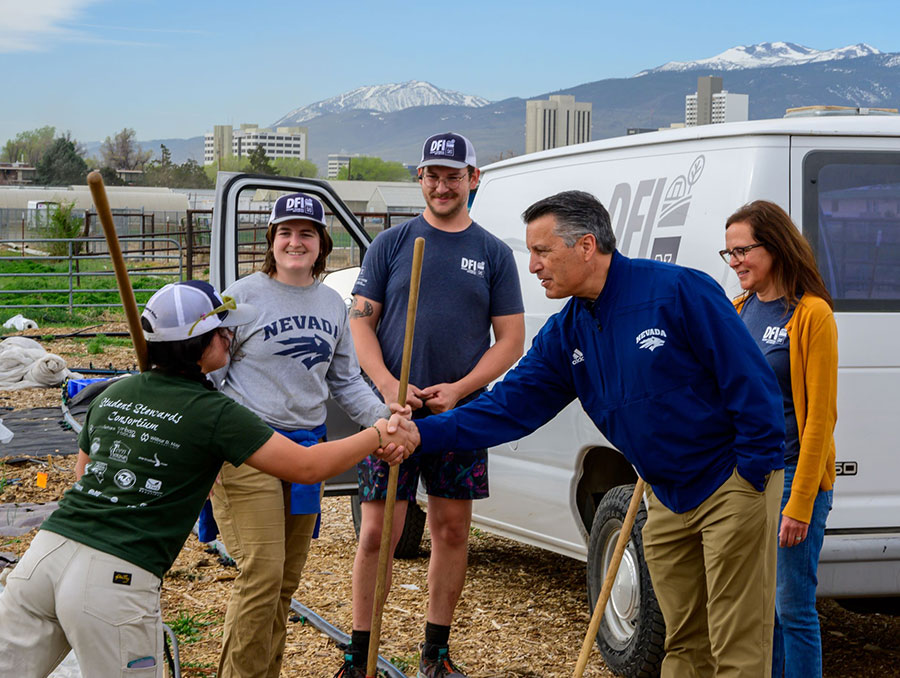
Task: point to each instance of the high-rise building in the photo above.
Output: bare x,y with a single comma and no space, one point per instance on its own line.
710,104
559,121
283,142
337,161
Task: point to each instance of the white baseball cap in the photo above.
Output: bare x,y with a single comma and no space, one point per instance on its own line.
180,311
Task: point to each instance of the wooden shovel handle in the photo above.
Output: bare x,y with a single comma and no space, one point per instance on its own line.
384,553
98,193
611,573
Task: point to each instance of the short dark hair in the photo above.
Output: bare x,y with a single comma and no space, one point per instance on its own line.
577,213
179,357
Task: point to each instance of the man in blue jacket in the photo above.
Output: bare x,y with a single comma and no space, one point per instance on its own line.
667,371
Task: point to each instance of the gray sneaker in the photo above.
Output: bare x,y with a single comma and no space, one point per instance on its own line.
441,667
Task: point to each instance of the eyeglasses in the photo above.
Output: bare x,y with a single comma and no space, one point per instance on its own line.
433,181
229,305
738,253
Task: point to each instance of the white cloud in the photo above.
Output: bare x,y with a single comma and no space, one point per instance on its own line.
34,25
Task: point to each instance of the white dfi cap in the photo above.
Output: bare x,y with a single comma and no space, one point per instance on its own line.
183,310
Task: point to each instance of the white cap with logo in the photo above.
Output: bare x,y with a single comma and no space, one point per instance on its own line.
180,311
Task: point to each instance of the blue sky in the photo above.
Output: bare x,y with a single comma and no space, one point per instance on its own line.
174,69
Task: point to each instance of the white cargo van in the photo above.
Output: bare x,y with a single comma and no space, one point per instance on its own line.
669,194
565,488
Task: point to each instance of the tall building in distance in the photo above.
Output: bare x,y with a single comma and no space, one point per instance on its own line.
283,142
710,104
559,121
337,161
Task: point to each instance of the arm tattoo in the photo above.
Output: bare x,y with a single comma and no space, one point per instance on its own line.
366,310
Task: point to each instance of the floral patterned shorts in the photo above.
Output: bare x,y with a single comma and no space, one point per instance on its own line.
451,474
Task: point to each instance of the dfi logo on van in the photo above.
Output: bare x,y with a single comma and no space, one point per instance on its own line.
669,201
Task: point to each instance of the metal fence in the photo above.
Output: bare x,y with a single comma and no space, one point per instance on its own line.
23,223
252,238
169,246
74,270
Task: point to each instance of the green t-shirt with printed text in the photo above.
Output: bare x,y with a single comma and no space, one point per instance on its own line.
156,443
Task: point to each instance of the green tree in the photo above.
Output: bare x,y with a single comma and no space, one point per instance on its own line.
123,152
259,162
230,164
294,167
30,146
58,222
111,177
61,165
190,174
374,169
164,172
160,172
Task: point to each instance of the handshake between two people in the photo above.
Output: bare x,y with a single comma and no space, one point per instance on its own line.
398,437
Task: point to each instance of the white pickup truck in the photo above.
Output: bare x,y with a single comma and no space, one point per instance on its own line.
565,488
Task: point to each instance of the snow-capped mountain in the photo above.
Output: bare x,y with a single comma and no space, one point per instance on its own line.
766,55
385,99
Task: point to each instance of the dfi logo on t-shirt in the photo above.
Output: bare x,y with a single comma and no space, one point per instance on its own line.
472,266
774,335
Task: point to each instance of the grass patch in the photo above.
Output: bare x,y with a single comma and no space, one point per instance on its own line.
94,284
191,628
406,662
95,345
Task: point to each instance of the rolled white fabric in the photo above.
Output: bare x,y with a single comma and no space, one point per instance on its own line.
24,363
49,370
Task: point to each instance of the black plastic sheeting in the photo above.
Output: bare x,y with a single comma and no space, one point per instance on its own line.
38,432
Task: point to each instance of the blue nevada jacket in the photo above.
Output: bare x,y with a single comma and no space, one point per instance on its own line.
662,365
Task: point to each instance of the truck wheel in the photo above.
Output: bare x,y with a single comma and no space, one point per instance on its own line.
632,633
411,537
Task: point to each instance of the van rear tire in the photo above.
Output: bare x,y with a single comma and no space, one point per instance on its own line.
413,528
632,633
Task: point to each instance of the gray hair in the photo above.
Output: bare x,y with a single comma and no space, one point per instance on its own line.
577,213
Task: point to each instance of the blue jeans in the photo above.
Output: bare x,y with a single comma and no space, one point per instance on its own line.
797,647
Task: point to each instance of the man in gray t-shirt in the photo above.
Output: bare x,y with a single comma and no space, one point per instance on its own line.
469,287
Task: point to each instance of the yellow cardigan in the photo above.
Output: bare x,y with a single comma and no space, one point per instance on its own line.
813,355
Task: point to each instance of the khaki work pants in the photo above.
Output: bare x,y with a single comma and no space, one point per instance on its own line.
713,570
269,545
63,595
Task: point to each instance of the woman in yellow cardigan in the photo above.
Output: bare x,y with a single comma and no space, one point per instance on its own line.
789,313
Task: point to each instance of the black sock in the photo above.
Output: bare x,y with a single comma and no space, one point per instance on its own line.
436,637
359,647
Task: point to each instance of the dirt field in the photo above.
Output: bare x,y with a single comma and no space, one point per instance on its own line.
523,612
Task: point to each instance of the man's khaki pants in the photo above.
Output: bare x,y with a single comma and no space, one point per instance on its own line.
713,571
269,545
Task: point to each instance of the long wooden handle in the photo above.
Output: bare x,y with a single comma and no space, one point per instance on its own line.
387,526
611,573
98,193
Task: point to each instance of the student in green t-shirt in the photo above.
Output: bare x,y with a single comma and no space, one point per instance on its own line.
151,447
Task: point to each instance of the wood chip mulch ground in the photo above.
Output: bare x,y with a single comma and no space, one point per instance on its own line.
522,614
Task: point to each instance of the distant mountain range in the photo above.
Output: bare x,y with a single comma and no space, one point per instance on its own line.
391,121
384,99
765,55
